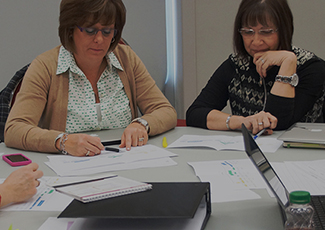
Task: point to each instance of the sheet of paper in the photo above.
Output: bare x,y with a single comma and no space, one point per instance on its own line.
162,162
53,223
302,175
230,180
46,199
223,190
137,157
221,142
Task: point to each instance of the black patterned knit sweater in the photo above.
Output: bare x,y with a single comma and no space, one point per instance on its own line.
237,80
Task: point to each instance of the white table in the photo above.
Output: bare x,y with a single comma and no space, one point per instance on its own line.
254,214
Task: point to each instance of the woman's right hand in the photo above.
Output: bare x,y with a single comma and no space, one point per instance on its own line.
82,145
21,184
259,121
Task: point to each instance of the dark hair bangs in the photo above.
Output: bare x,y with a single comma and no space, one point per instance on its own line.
102,13
258,13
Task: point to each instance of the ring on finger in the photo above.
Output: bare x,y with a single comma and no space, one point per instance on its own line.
260,123
87,154
262,60
141,139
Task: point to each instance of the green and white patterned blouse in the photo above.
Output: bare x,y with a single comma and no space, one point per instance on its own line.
84,114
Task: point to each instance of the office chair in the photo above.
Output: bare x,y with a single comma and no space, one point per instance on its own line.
8,96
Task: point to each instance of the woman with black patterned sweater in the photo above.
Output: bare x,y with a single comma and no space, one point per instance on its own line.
268,82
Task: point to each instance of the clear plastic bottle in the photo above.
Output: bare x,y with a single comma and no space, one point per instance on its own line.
299,213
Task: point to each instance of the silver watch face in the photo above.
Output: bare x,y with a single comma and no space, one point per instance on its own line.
143,122
294,80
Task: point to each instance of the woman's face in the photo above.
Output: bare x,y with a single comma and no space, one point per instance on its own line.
260,38
92,43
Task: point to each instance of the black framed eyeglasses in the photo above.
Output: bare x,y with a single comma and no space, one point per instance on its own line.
245,32
93,31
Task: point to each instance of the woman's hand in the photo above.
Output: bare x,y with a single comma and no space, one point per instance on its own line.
260,121
21,184
134,135
288,66
285,59
82,145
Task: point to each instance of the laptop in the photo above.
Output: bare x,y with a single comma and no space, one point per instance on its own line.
275,184
304,135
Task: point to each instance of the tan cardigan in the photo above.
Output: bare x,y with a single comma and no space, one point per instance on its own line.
40,110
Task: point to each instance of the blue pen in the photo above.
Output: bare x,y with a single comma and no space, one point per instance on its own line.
259,133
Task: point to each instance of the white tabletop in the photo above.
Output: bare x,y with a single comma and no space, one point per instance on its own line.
253,214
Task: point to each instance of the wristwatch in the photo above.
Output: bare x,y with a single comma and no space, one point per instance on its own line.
292,80
57,138
142,122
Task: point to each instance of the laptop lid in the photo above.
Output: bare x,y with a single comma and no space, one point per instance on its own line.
305,133
265,169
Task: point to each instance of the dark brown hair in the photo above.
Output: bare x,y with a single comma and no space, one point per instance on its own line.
251,12
78,12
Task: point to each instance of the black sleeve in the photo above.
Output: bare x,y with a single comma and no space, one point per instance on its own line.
291,110
213,96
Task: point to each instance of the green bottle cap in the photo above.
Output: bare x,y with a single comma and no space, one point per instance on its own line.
299,197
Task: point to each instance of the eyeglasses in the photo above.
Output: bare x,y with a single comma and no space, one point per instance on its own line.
93,31
263,32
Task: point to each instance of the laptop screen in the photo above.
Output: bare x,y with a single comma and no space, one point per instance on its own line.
264,167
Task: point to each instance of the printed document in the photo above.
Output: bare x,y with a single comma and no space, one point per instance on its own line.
138,157
222,142
230,180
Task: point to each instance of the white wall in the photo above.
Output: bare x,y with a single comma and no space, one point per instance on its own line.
29,28
207,33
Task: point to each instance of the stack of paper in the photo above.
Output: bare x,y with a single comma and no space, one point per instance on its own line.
147,156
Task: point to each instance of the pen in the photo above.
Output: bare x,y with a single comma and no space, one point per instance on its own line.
112,149
259,133
112,142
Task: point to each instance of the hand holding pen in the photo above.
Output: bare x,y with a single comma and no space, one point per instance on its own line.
259,133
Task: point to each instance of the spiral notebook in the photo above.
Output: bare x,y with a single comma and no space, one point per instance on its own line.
102,188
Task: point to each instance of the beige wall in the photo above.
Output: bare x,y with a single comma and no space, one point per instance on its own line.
207,36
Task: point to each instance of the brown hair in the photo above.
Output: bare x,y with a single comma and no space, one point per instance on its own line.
79,12
251,12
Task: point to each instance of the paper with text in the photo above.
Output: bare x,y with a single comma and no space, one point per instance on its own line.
222,142
138,157
230,180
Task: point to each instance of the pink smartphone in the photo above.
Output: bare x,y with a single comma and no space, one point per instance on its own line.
16,159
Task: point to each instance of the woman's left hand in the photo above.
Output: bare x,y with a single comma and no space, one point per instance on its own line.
134,135
265,60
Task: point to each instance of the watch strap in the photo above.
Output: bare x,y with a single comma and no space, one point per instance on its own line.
142,122
292,80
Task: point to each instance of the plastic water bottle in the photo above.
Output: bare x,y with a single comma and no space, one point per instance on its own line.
300,212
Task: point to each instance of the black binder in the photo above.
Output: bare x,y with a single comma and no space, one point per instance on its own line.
165,201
